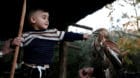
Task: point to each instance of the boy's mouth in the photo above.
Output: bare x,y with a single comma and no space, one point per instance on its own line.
47,24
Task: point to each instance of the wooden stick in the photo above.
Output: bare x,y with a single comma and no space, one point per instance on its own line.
19,35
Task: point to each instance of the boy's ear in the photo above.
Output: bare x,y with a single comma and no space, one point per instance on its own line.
32,19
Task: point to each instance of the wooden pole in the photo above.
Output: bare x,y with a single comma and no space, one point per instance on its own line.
19,35
63,60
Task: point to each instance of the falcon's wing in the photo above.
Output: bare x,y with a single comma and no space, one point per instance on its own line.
113,53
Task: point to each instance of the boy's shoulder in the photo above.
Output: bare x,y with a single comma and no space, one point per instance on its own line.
42,32
38,31
51,30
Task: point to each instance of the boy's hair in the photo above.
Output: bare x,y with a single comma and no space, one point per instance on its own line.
29,13
32,11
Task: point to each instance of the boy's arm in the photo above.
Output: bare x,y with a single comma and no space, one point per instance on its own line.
70,36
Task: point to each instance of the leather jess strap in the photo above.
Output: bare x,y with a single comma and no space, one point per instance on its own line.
35,66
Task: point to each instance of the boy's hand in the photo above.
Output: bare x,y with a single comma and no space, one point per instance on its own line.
17,41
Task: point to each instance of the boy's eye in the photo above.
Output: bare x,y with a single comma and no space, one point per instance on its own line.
44,17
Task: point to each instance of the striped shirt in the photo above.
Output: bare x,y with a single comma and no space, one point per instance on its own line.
38,45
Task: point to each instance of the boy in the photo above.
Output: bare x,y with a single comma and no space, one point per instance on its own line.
38,44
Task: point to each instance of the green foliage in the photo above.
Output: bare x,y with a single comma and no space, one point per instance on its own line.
138,0
130,43
1,44
78,58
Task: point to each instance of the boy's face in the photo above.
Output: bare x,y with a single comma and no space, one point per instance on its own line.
39,19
